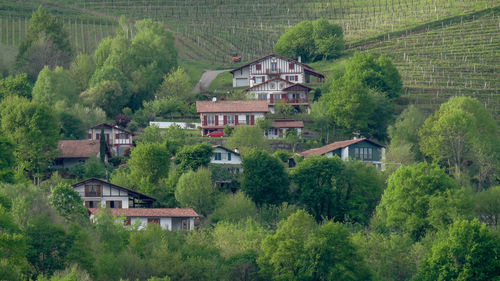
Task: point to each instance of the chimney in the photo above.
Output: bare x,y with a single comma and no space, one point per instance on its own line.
214,99
299,59
236,150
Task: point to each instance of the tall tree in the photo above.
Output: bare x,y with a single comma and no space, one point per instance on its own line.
148,164
195,190
55,86
244,138
192,157
297,41
18,85
264,178
46,43
7,160
102,145
176,84
328,39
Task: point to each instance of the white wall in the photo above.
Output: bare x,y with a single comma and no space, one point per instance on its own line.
235,159
182,125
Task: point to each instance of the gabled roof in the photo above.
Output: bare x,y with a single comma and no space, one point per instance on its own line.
231,106
271,55
268,81
111,126
285,123
130,191
77,148
314,73
334,146
150,212
297,85
226,149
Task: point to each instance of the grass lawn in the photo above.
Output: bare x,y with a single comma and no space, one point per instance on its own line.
223,82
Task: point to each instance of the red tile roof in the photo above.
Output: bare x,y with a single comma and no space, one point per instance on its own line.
231,106
272,55
77,148
143,212
333,146
287,124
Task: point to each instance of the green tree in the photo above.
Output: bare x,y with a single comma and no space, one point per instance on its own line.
469,251
55,86
245,138
12,245
297,41
191,157
81,70
33,127
234,208
152,134
72,127
148,164
487,206
175,138
107,95
7,160
233,238
18,85
67,202
328,39
463,133
46,43
195,190
176,84
102,146
264,178
405,203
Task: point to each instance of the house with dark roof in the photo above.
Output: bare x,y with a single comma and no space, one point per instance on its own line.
281,126
361,149
273,66
117,139
227,158
279,90
215,115
134,207
72,152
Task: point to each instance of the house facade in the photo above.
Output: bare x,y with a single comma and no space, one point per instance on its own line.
272,66
215,115
226,157
280,127
279,90
167,218
72,152
118,140
359,149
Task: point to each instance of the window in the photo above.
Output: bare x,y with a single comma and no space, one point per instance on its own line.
154,220
114,204
291,65
229,156
218,156
291,78
262,96
230,119
97,136
363,153
274,66
258,66
92,204
211,120
258,80
92,190
89,136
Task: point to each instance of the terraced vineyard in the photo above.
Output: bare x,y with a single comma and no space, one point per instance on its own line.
461,58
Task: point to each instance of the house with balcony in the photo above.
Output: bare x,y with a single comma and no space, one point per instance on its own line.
273,66
215,115
280,127
117,139
134,207
361,149
279,90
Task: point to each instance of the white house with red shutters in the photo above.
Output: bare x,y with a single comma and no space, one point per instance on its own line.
280,127
273,66
135,207
117,139
279,90
215,115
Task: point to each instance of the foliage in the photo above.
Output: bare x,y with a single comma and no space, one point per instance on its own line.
71,126
234,208
460,132
102,146
406,201
33,127
108,95
67,202
487,206
192,157
81,69
148,164
264,178
94,168
245,138
233,238
55,86
282,155
282,109
328,39
152,134
404,133
227,130
469,251
195,190
89,116
176,84
18,85
48,31
7,160
175,138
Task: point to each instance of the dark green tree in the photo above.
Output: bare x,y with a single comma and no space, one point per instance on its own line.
328,39
469,251
67,202
191,157
195,190
264,178
18,85
102,145
7,160
297,41
148,164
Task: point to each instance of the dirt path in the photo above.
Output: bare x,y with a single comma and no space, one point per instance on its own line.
206,78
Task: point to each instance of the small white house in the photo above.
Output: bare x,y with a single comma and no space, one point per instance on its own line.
167,218
227,158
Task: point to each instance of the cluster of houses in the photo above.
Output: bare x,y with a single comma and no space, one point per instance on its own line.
271,79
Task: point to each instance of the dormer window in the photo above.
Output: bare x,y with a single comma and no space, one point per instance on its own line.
291,65
258,66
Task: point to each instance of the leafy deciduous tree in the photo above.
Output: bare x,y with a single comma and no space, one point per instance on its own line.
195,190
245,138
192,157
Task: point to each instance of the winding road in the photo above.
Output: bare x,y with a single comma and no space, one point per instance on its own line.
206,78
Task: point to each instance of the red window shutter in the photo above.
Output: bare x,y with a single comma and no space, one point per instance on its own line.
263,79
286,78
86,191
216,120
276,132
252,119
225,119
89,136
117,136
87,204
120,204
98,190
283,96
296,78
291,65
272,98
204,120
127,221
236,120
97,136
258,67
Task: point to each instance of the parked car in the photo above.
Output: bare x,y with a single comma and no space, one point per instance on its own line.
215,134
